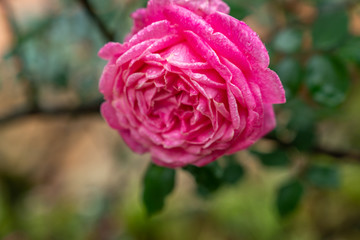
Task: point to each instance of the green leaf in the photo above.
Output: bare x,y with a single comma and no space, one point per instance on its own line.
330,28
288,197
288,40
158,183
15,186
277,158
327,79
290,73
208,178
323,176
239,12
233,171
302,122
351,50
251,5
305,139
61,79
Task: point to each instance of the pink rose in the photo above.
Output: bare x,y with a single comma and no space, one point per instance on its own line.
190,83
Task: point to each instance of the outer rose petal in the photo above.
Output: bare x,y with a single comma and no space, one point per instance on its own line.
154,11
204,7
208,159
110,49
107,80
131,142
155,30
172,157
109,113
243,36
269,119
187,20
270,86
200,7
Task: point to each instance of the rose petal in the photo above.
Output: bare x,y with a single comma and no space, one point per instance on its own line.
107,79
109,113
209,158
243,36
269,119
204,50
135,51
204,7
155,30
174,157
270,85
110,49
130,141
188,20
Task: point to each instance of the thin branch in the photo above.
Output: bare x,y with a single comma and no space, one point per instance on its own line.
338,154
350,156
86,109
102,27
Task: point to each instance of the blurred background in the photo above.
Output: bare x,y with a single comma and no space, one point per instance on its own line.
64,174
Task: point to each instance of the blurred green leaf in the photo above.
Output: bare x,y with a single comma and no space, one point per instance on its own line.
158,183
5,219
277,158
245,4
330,28
288,41
351,50
302,122
208,177
290,73
305,138
327,79
289,196
239,12
233,171
61,79
302,115
15,186
323,176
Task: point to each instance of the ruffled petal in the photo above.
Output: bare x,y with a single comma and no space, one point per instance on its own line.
130,141
109,113
269,120
270,85
107,80
243,36
110,49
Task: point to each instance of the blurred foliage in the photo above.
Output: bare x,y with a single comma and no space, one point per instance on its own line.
289,196
158,183
212,176
295,187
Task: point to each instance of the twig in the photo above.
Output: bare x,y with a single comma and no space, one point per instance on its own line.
91,108
105,31
338,154
348,226
350,156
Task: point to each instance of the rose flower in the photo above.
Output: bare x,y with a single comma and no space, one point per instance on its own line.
190,84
